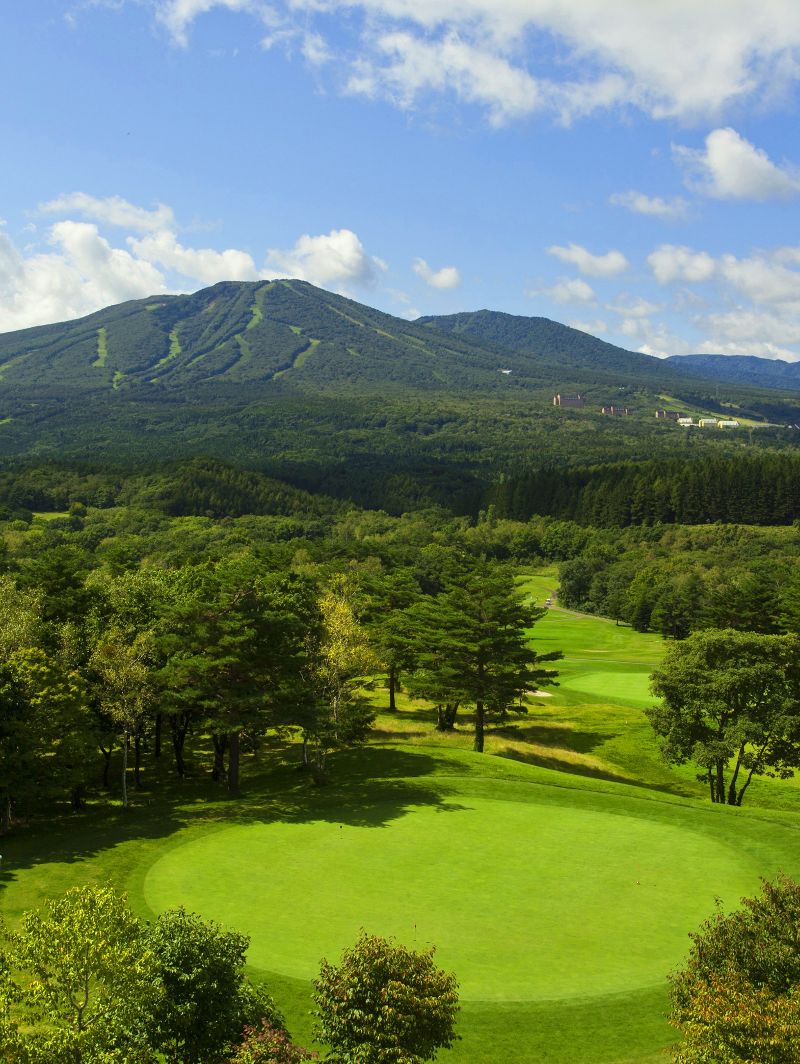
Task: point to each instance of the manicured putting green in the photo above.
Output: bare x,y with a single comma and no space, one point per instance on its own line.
621,685
524,901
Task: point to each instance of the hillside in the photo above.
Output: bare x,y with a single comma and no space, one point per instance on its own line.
289,333
237,335
341,399
556,348
746,370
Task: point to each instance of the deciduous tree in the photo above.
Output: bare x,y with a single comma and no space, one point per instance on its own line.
730,704
385,1004
83,982
737,1000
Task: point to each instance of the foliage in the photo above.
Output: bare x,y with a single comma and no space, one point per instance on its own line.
206,1000
737,1001
730,696
385,1004
472,646
83,982
266,1044
340,662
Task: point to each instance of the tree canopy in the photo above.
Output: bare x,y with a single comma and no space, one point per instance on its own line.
730,705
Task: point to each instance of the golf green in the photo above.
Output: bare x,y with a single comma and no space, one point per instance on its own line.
524,901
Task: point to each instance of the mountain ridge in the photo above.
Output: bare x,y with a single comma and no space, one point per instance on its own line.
259,333
741,369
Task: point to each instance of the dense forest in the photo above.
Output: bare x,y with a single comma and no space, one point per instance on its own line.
753,489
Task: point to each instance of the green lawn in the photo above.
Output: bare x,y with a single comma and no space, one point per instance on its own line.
559,880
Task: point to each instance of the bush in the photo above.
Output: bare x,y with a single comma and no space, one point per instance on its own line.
737,1001
385,1004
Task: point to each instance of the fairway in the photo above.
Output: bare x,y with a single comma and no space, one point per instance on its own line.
525,901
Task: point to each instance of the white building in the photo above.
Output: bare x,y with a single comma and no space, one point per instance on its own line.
686,421
707,422
727,424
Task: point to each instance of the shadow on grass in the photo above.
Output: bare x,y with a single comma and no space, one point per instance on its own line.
367,787
579,742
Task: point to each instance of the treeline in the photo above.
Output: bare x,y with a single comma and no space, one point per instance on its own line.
128,637
198,487
759,489
683,579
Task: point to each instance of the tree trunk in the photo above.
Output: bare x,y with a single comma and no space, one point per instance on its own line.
734,777
446,716
157,751
125,771
106,765
137,759
179,727
76,798
480,722
720,786
220,745
392,688
5,815
233,762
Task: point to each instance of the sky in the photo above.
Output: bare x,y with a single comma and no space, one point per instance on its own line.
630,168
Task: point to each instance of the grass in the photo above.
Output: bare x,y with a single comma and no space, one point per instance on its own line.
102,348
560,898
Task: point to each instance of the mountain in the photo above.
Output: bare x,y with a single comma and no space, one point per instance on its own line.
555,347
336,398
747,370
279,334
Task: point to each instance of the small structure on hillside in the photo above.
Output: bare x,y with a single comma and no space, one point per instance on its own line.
729,424
574,402
617,411
686,421
707,422
669,415
506,371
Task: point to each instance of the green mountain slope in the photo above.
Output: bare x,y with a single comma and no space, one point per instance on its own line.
554,347
281,333
341,399
747,370
240,334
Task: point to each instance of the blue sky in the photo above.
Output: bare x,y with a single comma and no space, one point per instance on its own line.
629,168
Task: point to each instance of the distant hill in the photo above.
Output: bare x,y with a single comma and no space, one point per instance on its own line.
336,397
557,348
245,335
280,334
741,369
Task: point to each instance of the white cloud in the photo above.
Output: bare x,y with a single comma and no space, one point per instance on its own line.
634,308
74,269
608,265
413,65
731,167
201,264
178,15
595,328
762,279
744,331
680,59
82,274
654,206
446,277
652,338
113,210
568,291
337,258
672,263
